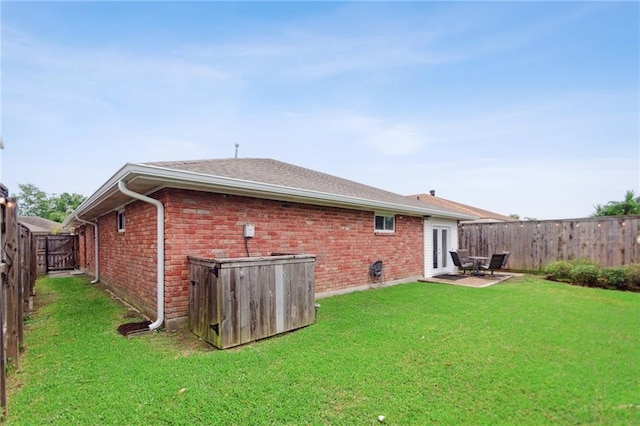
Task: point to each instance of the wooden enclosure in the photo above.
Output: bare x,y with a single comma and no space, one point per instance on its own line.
608,241
240,300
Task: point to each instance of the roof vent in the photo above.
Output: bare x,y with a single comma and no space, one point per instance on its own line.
432,192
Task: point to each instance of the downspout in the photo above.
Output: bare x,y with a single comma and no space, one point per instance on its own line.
95,245
160,243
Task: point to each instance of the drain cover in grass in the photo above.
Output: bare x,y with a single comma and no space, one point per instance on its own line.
134,327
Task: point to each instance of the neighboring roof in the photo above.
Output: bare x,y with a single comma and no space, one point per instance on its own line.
253,177
482,215
39,225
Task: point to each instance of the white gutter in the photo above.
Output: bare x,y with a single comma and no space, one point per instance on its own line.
181,178
166,175
160,243
95,245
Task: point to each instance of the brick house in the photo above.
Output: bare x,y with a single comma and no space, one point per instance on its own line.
201,208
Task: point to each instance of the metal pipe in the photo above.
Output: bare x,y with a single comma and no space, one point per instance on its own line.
160,243
95,246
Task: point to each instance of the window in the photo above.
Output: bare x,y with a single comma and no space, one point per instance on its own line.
121,221
385,223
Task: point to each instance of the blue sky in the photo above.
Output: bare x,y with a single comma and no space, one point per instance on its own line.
516,107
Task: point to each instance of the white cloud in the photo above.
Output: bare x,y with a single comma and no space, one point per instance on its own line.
312,92
532,187
387,137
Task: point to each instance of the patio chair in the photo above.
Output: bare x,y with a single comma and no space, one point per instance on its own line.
494,264
506,259
461,265
463,254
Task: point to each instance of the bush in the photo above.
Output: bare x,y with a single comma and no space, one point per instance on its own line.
559,270
582,261
632,276
585,275
612,278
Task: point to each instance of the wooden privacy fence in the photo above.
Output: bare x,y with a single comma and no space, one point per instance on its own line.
240,300
608,241
17,278
28,271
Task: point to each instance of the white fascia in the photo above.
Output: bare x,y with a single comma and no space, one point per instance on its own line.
172,177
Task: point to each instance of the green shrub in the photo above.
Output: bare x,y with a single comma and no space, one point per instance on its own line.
612,278
582,261
558,270
632,276
585,275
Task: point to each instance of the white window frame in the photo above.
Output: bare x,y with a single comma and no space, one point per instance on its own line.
121,221
385,228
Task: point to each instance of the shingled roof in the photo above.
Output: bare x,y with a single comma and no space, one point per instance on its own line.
252,177
39,225
266,170
482,215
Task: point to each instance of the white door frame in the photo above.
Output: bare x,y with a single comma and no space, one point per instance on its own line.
451,225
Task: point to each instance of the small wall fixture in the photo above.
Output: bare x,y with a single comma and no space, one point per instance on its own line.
4,201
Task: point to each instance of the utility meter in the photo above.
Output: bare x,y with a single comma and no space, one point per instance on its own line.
249,230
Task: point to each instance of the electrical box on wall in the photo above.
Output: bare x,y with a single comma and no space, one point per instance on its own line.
249,230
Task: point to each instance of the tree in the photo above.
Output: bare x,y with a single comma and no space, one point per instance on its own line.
32,201
517,217
35,202
629,206
63,205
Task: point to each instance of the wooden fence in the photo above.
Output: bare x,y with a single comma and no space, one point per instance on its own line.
240,300
28,272
608,241
17,279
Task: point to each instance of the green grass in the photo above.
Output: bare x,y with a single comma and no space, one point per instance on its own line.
526,351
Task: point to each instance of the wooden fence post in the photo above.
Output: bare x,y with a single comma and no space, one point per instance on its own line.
13,302
3,301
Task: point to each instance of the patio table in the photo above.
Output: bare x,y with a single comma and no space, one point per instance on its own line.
478,260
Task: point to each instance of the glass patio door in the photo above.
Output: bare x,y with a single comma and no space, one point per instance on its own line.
441,244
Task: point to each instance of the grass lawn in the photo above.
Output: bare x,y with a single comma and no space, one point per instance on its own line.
525,351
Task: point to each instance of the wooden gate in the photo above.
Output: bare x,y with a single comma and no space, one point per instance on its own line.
56,253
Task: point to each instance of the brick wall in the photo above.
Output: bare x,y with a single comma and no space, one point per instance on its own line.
86,248
211,225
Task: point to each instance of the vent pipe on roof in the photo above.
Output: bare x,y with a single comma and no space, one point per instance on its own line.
160,243
96,280
237,146
432,192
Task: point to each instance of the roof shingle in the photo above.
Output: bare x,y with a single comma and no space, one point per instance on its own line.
269,171
483,215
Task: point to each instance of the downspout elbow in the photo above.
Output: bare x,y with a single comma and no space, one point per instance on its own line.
160,244
96,279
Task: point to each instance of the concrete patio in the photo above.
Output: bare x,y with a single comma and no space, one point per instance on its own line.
470,280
